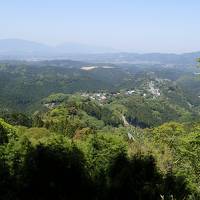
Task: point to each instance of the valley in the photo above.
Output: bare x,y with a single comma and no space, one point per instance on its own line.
99,100
141,113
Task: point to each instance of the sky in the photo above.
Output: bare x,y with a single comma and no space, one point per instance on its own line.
126,25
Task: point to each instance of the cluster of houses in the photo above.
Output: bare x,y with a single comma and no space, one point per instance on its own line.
154,91
96,96
103,96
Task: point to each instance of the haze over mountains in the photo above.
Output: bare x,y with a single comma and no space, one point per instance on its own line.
27,50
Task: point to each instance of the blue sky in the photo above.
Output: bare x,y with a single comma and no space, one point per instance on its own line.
129,25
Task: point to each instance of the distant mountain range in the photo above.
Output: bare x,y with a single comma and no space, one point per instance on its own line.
18,47
23,49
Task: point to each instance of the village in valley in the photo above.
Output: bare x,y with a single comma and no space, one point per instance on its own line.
148,90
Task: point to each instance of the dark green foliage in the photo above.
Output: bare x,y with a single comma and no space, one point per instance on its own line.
101,112
55,98
7,132
3,135
54,172
138,178
147,112
110,118
37,120
175,187
57,169
6,181
17,119
92,108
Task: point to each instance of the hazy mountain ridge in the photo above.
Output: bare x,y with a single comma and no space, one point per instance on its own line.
16,47
27,50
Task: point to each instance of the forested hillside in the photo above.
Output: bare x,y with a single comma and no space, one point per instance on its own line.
76,130
24,84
